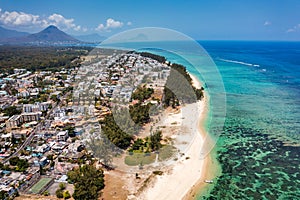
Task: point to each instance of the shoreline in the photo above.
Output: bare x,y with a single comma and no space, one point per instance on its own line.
186,178
209,167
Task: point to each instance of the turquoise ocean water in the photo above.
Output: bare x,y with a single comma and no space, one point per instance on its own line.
258,148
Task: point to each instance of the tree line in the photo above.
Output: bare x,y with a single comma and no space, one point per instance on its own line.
39,58
158,58
142,93
179,87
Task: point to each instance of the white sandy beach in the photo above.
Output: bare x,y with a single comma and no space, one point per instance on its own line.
188,171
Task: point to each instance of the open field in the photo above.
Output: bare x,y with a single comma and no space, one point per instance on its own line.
140,159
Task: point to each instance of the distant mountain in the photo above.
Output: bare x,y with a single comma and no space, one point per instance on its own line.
7,33
49,36
91,38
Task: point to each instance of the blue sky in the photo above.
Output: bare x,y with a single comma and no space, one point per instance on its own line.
204,20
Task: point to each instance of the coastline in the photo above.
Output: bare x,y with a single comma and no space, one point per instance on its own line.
209,167
187,175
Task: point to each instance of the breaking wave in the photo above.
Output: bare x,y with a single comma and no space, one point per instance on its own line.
240,62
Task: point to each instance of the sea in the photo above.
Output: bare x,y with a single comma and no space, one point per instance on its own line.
257,139
258,149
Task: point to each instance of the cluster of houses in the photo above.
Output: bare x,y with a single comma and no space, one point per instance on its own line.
15,88
116,77
109,80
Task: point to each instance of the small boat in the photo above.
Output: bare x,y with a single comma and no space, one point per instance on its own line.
208,181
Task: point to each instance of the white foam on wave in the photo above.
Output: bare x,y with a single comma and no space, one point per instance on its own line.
240,62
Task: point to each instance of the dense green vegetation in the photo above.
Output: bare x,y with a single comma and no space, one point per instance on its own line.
155,139
114,133
144,150
140,113
3,195
158,58
11,110
61,192
66,194
39,58
179,87
179,84
88,182
142,93
170,98
149,144
20,165
124,121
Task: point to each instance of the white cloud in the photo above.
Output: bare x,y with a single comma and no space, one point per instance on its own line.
63,23
290,30
110,24
294,29
16,19
129,23
13,19
100,27
267,23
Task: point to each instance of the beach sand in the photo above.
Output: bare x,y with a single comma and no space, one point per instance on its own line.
186,177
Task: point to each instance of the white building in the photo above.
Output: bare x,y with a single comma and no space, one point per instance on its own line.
62,136
37,107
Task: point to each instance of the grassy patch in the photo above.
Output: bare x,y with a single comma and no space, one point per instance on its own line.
135,159
36,188
140,159
166,152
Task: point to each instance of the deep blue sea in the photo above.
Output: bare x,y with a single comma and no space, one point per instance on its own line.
258,146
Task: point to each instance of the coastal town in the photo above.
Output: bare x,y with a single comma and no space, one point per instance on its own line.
149,100
49,120
34,130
